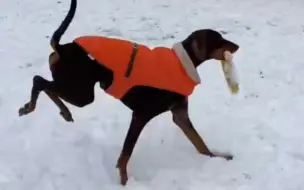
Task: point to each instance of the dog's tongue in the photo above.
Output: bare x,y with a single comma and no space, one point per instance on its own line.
230,72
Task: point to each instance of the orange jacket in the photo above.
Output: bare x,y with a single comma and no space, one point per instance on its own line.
159,68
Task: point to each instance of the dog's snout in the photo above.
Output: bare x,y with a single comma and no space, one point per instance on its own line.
232,47
235,47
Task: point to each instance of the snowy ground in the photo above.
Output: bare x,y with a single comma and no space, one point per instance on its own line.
263,126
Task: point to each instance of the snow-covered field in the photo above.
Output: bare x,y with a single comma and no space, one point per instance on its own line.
263,126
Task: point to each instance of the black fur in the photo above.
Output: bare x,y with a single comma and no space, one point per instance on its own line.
75,75
64,25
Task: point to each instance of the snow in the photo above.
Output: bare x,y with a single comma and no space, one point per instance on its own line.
262,126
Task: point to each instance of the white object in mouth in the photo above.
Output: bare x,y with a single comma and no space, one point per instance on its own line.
230,72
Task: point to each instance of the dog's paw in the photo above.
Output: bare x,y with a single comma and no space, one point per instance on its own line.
123,175
228,157
26,109
67,116
222,155
123,179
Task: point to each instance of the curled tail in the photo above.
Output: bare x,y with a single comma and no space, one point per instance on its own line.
63,26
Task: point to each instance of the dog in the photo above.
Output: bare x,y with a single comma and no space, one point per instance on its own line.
75,71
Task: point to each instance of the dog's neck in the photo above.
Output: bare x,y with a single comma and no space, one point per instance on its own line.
186,62
187,46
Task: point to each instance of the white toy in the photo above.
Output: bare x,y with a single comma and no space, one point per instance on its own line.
230,73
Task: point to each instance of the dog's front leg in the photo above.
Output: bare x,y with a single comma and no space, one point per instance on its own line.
138,122
182,120
41,84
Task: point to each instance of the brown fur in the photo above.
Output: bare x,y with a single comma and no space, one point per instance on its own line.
75,74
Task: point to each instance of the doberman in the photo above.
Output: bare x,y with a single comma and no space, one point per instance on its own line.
75,73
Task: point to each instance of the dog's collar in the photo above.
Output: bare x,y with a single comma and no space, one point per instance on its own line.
186,62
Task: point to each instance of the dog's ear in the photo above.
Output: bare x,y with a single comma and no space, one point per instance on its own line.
199,49
203,43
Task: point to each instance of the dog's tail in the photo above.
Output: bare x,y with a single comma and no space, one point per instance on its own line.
63,26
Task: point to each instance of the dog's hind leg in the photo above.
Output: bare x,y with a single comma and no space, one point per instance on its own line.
41,84
182,120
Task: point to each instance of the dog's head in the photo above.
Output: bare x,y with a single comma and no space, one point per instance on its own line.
208,44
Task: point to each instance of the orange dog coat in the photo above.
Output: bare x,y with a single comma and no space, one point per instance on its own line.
159,68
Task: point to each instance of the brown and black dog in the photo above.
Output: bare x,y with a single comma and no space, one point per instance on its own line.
75,74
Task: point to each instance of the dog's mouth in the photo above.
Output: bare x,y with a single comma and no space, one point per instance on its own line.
228,49
230,46
225,46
